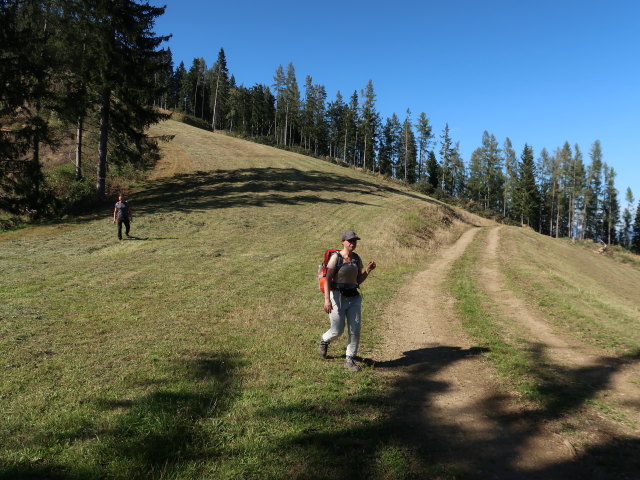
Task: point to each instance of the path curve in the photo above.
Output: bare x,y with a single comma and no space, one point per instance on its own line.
447,397
621,390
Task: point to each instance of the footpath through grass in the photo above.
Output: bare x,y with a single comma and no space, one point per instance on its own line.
567,399
188,351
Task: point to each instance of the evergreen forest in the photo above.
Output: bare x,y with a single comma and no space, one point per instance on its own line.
97,72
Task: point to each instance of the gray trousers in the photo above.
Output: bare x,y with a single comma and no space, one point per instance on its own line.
345,310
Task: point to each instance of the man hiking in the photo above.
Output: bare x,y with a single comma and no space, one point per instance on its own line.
122,214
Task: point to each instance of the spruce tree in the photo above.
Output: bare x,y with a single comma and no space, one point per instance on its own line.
635,239
220,89
510,176
127,59
527,196
370,125
433,171
424,141
447,184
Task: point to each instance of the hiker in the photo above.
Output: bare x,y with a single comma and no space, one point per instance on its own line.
342,301
122,214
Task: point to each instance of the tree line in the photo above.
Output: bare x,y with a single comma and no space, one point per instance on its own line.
72,63
557,194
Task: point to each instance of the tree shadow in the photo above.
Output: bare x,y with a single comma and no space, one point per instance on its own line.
441,448
153,434
204,190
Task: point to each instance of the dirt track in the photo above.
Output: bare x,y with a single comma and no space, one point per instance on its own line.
447,397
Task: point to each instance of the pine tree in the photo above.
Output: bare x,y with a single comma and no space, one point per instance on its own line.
635,241
510,176
492,175
592,203
28,57
447,184
335,125
433,171
387,146
578,182
370,125
279,86
220,89
125,68
626,229
475,182
424,142
527,195
408,154
610,205
292,105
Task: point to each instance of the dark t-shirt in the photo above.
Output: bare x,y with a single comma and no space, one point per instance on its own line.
123,210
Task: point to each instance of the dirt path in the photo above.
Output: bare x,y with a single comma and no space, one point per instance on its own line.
616,379
447,399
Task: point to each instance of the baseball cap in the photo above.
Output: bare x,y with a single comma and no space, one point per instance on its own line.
350,236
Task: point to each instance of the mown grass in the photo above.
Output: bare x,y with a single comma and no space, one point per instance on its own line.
188,351
551,391
586,294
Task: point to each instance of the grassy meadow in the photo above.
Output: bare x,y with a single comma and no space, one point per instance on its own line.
189,350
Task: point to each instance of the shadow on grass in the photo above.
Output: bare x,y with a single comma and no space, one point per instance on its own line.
151,436
253,187
413,441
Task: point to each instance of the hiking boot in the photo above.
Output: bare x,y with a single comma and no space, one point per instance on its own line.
351,365
322,348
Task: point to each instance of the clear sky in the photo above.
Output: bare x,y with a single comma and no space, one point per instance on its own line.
541,72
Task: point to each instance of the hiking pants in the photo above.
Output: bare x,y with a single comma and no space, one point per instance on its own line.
349,309
126,224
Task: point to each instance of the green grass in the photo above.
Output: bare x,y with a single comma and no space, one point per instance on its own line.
588,295
551,391
189,350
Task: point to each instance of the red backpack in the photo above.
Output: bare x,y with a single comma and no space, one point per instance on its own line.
322,268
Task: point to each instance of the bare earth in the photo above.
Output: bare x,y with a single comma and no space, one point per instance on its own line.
449,402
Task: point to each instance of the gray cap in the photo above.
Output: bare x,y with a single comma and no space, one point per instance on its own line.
350,236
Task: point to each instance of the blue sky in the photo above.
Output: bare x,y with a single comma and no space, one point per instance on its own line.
541,72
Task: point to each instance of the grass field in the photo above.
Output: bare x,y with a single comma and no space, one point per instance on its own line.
188,351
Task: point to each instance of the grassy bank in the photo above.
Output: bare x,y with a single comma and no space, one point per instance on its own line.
188,351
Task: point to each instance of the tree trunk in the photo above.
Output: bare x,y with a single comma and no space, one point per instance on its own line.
79,149
215,104
102,143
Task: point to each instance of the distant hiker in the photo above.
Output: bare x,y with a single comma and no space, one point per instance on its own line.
342,301
122,214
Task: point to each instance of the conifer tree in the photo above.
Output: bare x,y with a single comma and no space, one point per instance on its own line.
475,182
635,239
424,141
387,147
510,176
447,183
626,216
279,85
592,208
408,150
433,171
527,196
219,88
129,58
27,55
370,125
610,205
335,125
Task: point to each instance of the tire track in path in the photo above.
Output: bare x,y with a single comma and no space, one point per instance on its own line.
587,374
445,397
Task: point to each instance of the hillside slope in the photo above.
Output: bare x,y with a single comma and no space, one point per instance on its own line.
189,350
